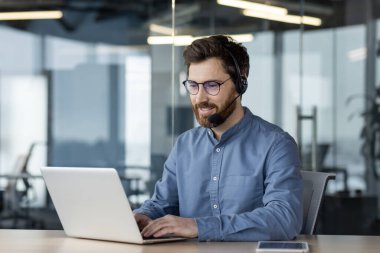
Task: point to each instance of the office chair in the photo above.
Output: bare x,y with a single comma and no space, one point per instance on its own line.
314,188
16,202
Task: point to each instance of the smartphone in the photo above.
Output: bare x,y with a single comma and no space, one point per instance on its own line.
268,246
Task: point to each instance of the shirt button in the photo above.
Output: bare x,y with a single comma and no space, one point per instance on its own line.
214,178
218,150
215,206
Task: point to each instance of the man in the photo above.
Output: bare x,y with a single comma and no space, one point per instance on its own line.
234,178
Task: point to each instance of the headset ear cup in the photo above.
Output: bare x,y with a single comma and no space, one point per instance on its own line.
243,85
238,85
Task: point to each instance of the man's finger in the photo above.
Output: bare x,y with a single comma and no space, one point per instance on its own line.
164,231
153,227
149,226
158,222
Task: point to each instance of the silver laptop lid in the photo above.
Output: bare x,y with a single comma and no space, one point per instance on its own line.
91,203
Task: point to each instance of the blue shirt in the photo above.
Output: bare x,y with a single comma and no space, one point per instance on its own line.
245,187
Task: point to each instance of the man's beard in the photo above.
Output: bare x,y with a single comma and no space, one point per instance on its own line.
224,111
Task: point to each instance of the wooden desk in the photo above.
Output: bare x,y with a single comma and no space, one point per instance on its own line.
40,241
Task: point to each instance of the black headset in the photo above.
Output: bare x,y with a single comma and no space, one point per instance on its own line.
241,83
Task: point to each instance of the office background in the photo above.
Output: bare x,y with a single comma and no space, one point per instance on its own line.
100,87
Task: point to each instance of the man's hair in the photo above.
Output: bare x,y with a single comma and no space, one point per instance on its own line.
222,47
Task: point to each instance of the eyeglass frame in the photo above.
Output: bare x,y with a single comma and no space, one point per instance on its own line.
214,81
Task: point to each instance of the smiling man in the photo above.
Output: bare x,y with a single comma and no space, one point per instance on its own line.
235,177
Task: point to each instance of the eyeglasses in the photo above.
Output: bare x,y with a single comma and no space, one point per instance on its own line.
211,87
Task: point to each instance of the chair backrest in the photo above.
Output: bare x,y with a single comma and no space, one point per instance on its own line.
314,188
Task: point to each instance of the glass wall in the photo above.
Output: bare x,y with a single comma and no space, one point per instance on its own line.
102,88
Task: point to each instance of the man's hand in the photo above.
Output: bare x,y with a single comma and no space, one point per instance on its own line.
173,225
142,220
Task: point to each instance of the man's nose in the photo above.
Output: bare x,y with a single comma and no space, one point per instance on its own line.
201,95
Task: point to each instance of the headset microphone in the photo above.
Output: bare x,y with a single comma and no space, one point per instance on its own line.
217,119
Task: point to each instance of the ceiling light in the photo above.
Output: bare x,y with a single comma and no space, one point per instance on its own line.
243,37
253,6
160,29
293,19
178,40
188,39
26,15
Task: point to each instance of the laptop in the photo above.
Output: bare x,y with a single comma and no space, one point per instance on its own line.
91,203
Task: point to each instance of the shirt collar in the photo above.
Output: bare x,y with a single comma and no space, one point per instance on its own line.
243,123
